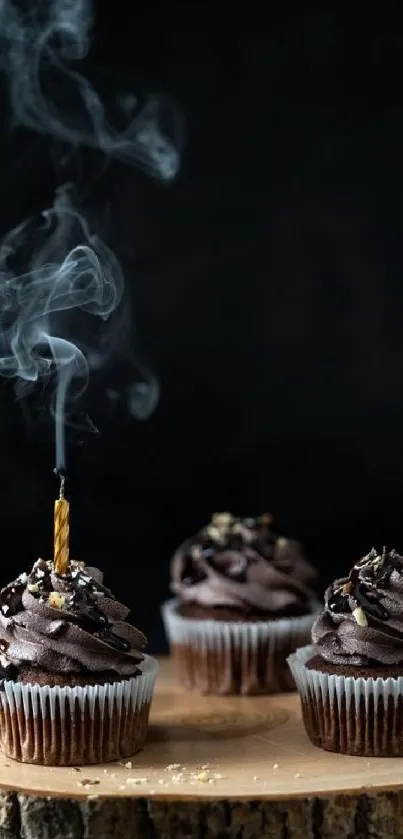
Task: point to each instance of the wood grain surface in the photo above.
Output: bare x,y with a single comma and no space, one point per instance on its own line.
212,767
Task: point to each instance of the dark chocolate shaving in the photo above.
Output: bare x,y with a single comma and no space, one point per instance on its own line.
361,587
192,572
8,673
369,603
93,620
339,603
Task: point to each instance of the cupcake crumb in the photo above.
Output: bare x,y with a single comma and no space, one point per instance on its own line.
172,766
128,765
136,781
297,775
88,782
75,769
255,778
202,777
276,766
161,781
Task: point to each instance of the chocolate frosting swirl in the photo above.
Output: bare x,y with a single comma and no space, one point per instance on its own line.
362,622
241,564
67,624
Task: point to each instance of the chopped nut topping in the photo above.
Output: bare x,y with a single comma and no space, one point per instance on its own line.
222,520
360,616
196,552
214,533
58,601
33,588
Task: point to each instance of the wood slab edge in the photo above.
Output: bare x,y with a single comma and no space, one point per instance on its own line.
363,816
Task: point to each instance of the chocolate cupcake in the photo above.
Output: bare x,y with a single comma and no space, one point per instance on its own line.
351,680
243,602
75,686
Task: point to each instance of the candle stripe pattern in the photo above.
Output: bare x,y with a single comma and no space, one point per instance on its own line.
61,536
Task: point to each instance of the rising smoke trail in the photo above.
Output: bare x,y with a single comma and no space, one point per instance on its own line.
34,305
39,44
44,287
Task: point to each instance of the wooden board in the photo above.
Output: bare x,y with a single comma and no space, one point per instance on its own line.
203,754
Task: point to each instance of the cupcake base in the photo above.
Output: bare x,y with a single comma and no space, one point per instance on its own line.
64,726
354,715
233,657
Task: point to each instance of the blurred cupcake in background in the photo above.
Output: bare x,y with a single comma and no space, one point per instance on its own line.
351,679
244,601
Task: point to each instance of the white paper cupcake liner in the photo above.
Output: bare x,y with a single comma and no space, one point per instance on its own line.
76,725
228,657
353,715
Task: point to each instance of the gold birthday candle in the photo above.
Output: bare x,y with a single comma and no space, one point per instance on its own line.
62,527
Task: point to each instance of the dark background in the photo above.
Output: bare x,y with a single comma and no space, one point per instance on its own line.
267,293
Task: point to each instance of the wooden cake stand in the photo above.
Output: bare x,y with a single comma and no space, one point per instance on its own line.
213,767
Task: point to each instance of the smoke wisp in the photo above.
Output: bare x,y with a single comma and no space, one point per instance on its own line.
39,305
42,44
55,273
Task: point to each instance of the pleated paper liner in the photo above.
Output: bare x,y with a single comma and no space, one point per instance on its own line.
64,726
224,657
347,714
